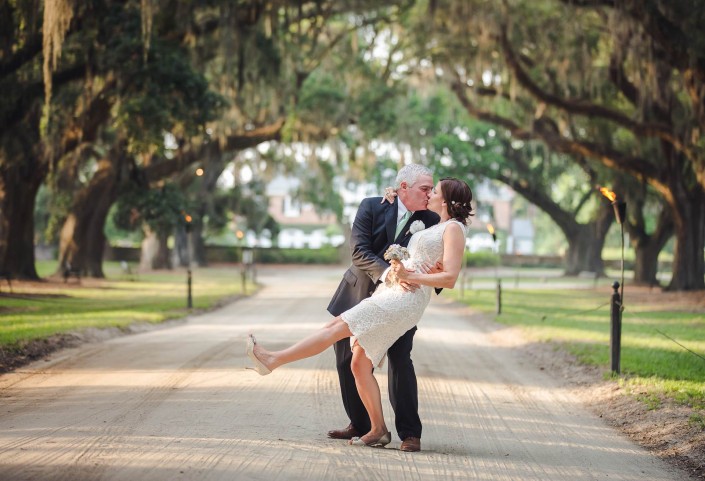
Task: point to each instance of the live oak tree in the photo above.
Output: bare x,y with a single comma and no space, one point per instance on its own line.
620,82
94,50
104,94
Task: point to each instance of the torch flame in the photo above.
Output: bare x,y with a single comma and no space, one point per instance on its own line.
490,229
608,193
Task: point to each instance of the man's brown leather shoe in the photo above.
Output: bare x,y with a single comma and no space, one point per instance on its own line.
411,445
346,433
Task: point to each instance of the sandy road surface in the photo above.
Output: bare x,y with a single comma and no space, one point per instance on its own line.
176,403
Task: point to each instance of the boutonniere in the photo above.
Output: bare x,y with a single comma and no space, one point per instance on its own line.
416,226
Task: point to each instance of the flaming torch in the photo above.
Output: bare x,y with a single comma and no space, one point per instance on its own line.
617,305
490,229
620,208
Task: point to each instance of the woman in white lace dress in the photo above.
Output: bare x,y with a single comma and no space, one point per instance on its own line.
377,322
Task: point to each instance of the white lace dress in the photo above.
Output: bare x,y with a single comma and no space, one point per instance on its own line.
378,321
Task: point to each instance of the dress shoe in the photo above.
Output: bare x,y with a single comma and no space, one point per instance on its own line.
380,442
411,445
261,369
345,433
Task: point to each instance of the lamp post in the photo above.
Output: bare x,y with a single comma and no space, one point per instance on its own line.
617,302
498,305
189,299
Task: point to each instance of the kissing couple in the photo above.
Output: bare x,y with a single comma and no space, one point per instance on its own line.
378,304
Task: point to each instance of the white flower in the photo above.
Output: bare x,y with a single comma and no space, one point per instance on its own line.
416,226
396,252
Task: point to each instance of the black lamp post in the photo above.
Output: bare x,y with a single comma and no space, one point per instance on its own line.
189,299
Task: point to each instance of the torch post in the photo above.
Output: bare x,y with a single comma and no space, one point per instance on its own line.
620,212
617,301
498,301
617,305
615,329
189,298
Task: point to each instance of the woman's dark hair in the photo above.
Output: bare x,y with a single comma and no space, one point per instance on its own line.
458,197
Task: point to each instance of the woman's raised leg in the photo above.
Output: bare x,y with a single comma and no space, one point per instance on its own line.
311,345
368,388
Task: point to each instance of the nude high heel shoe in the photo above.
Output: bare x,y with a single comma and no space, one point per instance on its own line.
261,369
377,443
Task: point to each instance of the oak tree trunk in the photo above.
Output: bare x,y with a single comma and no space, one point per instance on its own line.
648,246
18,191
22,172
155,251
688,259
82,240
585,243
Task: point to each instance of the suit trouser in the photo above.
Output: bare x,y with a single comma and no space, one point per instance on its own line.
403,391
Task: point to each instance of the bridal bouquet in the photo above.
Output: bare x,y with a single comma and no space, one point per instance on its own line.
396,252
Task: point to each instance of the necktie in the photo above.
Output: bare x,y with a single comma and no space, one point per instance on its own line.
402,223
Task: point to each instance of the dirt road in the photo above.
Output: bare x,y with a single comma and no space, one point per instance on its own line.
176,403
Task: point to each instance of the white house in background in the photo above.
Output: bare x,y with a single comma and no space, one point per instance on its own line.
301,225
521,240
481,242
520,231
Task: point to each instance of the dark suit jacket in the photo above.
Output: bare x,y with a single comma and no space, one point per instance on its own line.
372,233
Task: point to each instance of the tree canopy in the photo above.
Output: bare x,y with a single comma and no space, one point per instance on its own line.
103,98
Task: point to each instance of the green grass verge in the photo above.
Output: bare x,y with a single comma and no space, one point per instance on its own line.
652,365
40,311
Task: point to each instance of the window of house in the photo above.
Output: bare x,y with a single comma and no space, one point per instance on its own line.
292,207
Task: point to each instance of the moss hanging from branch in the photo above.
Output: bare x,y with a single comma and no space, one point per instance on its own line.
57,17
147,17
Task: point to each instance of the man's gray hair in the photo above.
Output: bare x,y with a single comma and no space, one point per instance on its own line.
410,173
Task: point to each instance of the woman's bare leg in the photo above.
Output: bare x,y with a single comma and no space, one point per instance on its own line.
311,345
368,388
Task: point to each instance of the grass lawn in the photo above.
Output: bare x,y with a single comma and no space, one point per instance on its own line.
579,321
39,310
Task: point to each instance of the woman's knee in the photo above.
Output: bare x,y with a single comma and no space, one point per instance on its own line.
339,329
360,365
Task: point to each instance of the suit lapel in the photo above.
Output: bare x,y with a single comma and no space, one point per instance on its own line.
390,219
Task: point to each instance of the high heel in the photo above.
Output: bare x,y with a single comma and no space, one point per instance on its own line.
261,369
377,443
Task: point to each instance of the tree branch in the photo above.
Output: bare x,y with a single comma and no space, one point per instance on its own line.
160,168
586,108
29,50
545,129
563,219
26,95
458,86
254,137
619,78
635,166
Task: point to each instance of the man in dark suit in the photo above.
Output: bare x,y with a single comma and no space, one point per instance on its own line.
378,224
